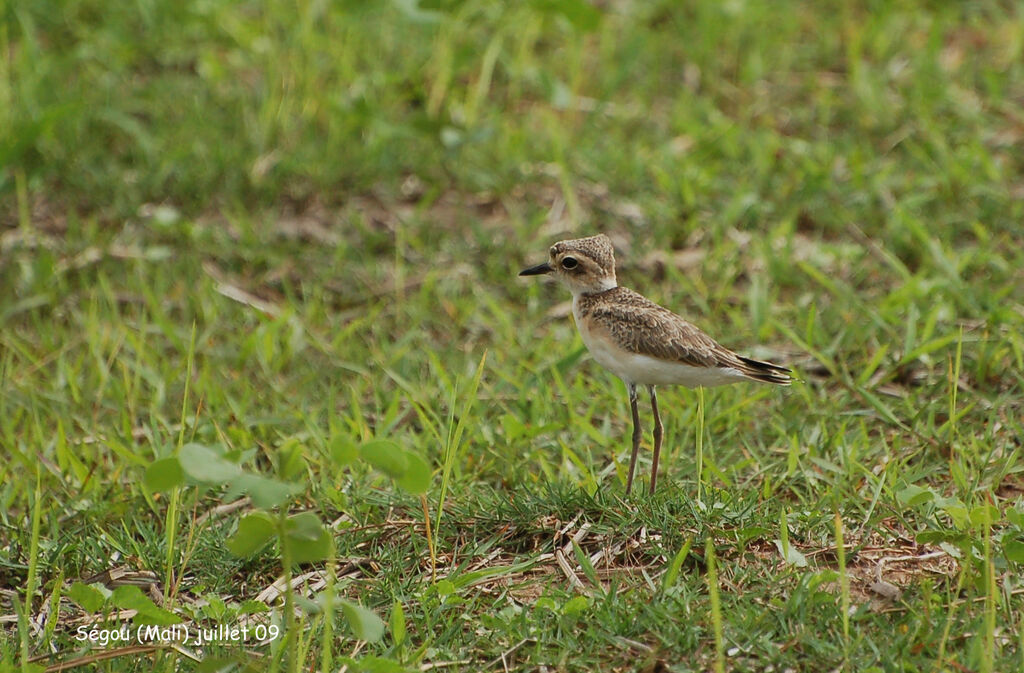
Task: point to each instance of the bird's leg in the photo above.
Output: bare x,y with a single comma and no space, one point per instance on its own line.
636,435
658,431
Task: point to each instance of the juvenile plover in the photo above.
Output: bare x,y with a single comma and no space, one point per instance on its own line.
639,341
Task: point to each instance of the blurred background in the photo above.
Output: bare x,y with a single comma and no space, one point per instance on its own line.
741,112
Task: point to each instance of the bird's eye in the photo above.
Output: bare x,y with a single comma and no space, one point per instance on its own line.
569,263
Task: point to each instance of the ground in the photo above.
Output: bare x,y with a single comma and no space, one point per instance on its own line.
262,326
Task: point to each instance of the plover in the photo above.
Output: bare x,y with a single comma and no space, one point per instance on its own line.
641,342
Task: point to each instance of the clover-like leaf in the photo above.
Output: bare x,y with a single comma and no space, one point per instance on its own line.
203,464
365,623
386,456
254,531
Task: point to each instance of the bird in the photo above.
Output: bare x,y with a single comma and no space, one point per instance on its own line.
641,342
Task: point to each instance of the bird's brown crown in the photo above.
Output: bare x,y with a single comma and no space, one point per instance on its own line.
597,248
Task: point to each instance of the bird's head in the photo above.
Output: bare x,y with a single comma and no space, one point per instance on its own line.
585,265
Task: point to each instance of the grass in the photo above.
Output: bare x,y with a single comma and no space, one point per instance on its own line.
281,230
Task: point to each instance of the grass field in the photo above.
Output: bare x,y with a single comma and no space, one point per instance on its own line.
261,325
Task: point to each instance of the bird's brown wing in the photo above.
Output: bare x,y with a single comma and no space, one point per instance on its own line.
640,326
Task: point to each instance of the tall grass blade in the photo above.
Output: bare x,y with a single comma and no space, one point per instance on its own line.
716,606
844,585
33,567
700,440
171,521
455,437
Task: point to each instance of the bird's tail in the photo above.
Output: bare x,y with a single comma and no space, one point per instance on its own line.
766,371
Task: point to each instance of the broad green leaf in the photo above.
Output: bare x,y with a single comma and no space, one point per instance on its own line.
397,623
254,531
264,491
252,607
791,554
203,464
943,502
304,526
215,607
310,551
164,474
291,462
308,540
1015,516
545,603
131,598
576,605
915,495
365,624
385,456
985,515
745,535
959,515
951,550
87,596
343,450
417,475
1014,550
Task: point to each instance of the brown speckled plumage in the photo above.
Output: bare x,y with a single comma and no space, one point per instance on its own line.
638,325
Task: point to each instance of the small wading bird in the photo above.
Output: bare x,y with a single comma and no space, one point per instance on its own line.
639,341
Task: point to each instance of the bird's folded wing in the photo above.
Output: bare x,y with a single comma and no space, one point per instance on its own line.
655,331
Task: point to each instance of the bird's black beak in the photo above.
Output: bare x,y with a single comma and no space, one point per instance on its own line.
537,270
